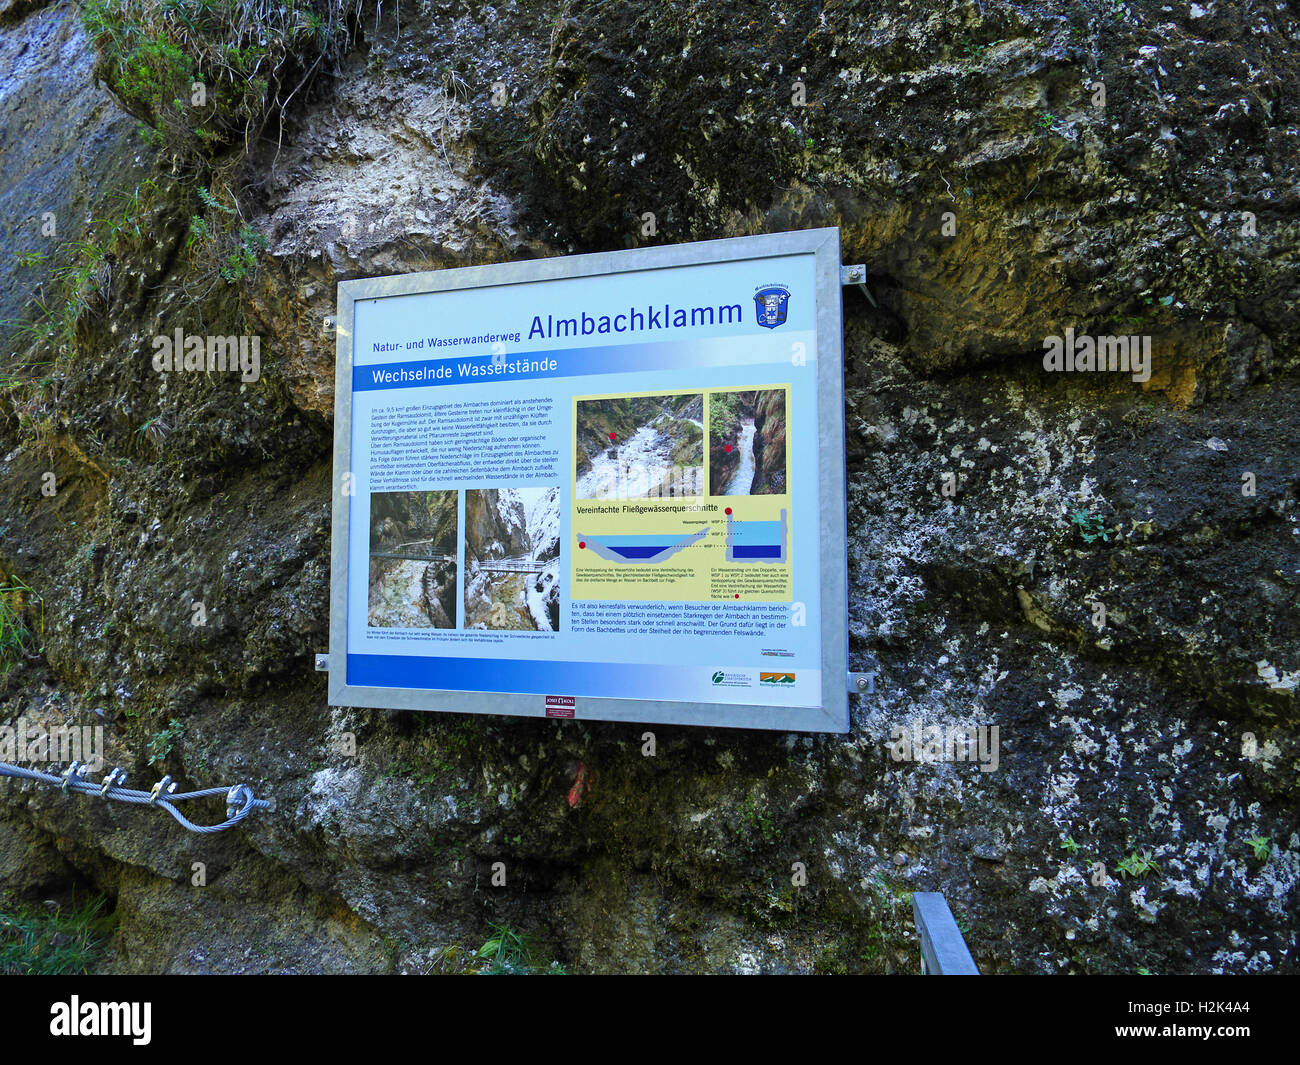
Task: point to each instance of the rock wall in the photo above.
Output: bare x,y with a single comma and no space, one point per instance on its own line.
770,444
997,198
67,150
495,527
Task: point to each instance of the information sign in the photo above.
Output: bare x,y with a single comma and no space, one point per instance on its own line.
603,486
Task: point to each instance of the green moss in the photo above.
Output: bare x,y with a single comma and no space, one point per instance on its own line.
753,817
446,749
206,74
832,960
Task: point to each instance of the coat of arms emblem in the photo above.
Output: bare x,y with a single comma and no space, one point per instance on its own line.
770,304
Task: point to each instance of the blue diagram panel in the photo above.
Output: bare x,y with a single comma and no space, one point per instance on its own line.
646,547
757,541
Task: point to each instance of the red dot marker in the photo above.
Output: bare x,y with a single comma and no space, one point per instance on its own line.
612,435
737,595
582,543
728,510
727,448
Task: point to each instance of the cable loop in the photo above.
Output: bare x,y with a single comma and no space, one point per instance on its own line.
239,798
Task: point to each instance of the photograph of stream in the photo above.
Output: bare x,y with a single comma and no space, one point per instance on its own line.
512,559
640,447
413,553
747,443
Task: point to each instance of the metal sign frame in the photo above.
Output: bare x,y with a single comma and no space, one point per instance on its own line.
833,714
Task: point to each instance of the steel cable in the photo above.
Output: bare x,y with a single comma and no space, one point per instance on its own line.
239,799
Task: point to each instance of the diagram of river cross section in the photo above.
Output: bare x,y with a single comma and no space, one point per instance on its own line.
647,548
682,496
756,541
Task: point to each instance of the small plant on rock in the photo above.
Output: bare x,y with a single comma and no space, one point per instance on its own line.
1137,864
515,954
1091,526
161,742
1261,845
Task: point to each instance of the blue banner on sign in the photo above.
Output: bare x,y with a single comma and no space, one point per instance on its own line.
565,362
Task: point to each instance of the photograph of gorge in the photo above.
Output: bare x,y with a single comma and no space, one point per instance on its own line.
413,560
512,557
640,447
747,443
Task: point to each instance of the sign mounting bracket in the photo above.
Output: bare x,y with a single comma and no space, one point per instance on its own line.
857,275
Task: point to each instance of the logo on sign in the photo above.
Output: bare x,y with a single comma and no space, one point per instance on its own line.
561,706
776,678
770,305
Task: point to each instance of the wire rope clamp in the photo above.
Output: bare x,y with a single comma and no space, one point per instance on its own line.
74,772
162,789
238,794
116,778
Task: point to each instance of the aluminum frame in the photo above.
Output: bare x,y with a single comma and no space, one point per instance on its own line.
833,714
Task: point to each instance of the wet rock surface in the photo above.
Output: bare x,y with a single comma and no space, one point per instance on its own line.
50,186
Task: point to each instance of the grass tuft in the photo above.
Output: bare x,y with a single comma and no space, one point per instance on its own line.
18,605
58,943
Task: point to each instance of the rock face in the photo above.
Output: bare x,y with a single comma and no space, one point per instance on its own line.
496,525
373,179
770,444
1051,164
544,526
1105,569
438,594
65,150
